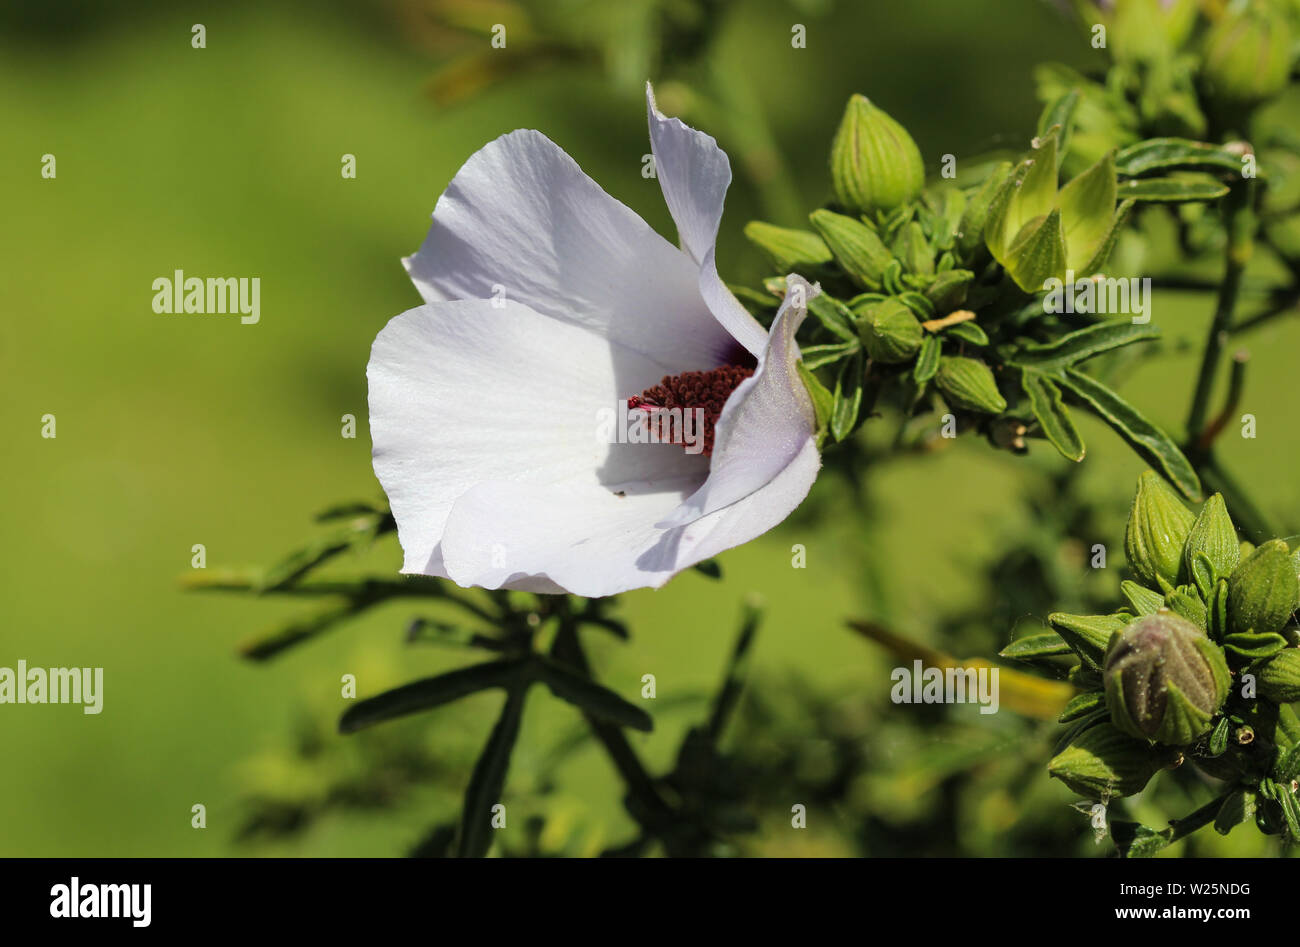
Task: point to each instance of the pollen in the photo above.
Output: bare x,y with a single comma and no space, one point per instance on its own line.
707,391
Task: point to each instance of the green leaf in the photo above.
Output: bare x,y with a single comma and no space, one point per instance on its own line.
1151,443
592,698
1238,807
1052,415
967,332
1218,744
1159,153
834,315
1143,600
1083,344
433,692
1081,705
927,361
1288,765
1173,190
817,356
848,398
823,401
1088,635
1046,644
1060,114
1139,841
489,778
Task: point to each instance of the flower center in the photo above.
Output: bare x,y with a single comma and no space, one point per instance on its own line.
706,391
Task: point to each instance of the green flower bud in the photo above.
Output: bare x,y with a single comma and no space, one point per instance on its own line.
890,331
1212,550
1103,762
1158,526
1247,57
791,251
968,384
948,291
856,247
913,249
1164,679
875,164
1262,591
1279,676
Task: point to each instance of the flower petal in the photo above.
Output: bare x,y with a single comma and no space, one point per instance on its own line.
590,542
466,391
765,423
694,175
521,219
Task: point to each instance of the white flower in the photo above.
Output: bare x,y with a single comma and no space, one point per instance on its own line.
548,301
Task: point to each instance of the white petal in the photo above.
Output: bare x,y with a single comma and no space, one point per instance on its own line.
463,392
589,542
766,422
694,174
521,218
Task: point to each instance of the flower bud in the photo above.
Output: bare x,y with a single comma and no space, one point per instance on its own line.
857,248
1103,762
1212,550
1158,525
968,384
791,251
1279,676
875,164
1164,679
890,331
1262,591
1247,57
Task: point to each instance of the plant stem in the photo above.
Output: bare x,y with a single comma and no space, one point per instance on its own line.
1239,221
648,806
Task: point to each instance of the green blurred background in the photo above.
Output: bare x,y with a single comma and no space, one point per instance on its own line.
176,430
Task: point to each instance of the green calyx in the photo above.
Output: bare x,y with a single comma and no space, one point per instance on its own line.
1103,762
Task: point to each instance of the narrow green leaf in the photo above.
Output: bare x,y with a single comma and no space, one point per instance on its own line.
1081,705
848,398
433,692
1173,190
1151,443
834,315
927,361
967,332
1088,635
1098,261
817,356
1047,644
489,778
1060,114
1052,415
590,697
1238,807
823,401
1159,153
1083,344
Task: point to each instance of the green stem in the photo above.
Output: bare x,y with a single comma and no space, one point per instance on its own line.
1240,223
648,805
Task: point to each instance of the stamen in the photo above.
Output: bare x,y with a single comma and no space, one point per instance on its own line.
707,391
